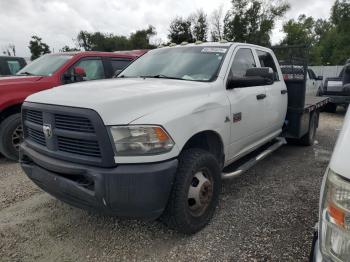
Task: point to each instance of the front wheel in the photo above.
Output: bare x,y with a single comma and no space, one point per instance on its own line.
195,192
11,136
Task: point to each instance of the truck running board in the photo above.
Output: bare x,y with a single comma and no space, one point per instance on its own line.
242,165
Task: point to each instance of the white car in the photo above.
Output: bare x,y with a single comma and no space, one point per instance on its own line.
156,140
332,240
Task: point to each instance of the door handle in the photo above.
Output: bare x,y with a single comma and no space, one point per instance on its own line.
261,96
284,91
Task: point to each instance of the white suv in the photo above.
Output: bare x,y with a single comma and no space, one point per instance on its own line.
332,241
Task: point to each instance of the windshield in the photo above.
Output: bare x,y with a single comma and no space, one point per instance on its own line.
196,63
45,65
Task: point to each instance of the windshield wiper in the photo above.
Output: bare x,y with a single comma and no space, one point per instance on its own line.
162,76
26,73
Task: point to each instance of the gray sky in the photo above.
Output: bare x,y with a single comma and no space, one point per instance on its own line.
59,21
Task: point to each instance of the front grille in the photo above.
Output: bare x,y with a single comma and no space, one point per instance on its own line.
34,116
79,146
74,123
67,133
36,136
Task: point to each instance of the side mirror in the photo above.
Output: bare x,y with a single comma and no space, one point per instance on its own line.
265,72
79,72
319,78
254,77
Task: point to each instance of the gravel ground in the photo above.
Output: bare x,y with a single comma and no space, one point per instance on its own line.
265,215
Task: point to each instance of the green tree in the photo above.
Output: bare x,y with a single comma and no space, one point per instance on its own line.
98,41
180,31
300,32
328,39
84,40
333,36
67,48
252,20
37,47
200,26
141,38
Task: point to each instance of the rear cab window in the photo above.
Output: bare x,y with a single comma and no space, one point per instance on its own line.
266,60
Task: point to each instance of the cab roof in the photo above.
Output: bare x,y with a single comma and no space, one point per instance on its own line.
216,44
127,54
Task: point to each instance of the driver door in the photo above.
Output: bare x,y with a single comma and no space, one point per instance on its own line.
247,106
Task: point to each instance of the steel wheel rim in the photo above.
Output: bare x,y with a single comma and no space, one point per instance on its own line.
200,193
17,137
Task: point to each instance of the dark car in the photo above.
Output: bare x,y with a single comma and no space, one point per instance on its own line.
10,65
338,89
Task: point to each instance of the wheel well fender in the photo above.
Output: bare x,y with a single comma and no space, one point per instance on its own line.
14,109
210,141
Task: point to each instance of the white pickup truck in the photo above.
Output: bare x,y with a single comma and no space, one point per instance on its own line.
158,140
332,236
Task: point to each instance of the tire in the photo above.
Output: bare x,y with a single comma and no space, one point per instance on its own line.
309,138
11,136
330,108
183,212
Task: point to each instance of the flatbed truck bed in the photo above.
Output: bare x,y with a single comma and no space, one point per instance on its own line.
315,102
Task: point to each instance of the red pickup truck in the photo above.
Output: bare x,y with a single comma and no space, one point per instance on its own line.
47,72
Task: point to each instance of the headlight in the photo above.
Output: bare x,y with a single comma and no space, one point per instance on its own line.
335,218
140,140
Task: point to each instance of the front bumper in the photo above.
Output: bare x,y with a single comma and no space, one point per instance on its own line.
316,255
134,190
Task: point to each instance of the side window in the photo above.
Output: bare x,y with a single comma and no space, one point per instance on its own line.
312,74
14,66
119,64
266,60
243,60
308,75
93,68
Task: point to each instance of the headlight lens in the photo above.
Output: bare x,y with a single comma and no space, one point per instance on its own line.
140,140
335,217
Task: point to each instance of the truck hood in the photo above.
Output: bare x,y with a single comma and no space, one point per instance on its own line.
121,101
12,80
340,158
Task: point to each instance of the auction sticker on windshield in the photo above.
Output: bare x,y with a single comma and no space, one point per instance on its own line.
214,50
